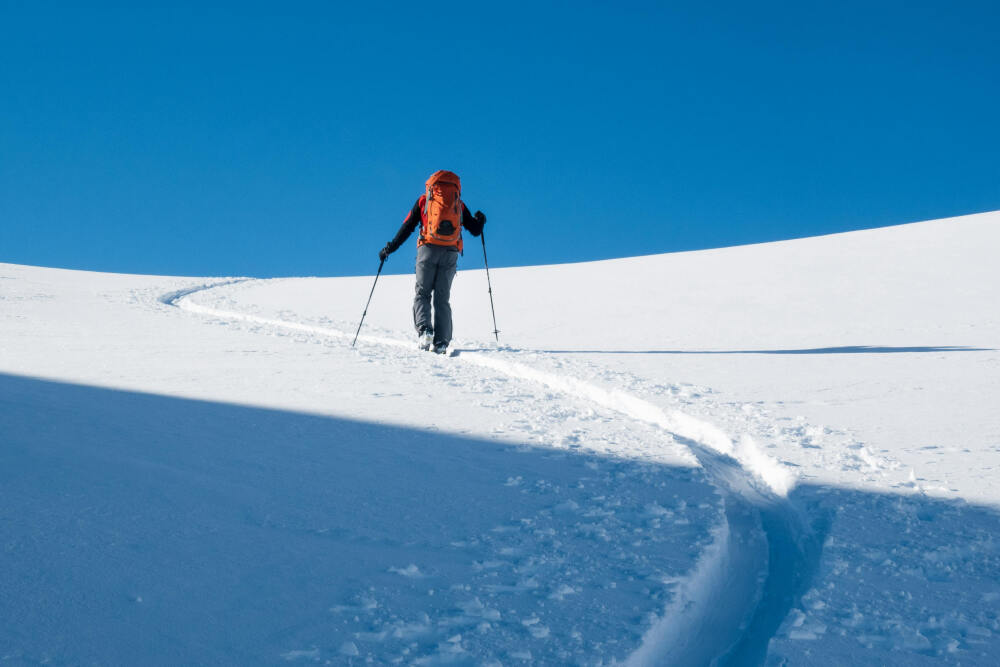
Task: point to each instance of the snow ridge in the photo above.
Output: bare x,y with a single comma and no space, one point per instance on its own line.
745,582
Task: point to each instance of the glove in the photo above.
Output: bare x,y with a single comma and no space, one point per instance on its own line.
480,218
384,253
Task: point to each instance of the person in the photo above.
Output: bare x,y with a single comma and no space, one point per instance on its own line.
441,214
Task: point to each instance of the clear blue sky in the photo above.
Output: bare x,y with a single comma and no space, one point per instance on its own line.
272,139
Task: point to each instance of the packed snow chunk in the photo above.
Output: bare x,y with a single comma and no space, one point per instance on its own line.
410,570
657,510
311,654
562,591
475,608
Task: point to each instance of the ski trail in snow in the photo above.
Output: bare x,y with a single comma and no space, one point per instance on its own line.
776,479
761,560
710,607
723,615
173,298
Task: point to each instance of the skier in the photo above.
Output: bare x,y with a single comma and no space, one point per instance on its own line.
441,214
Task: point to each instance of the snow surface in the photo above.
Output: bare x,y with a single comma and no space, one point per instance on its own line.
771,454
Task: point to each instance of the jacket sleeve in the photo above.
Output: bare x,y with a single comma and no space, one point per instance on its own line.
470,222
410,224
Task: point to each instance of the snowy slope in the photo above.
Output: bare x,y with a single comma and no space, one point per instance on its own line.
781,452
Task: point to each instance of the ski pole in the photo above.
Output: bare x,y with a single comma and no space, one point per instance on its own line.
368,304
496,332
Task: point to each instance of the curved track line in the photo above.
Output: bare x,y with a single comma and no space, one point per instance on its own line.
710,608
174,298
761,561
724,615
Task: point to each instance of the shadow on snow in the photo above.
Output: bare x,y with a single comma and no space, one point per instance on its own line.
138,528
142,528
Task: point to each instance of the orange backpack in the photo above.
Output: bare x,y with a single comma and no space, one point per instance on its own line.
442,214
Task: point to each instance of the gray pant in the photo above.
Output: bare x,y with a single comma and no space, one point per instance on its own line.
436,266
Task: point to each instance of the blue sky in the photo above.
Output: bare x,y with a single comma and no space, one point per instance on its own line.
271,139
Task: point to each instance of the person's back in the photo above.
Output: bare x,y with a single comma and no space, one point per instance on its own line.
440,214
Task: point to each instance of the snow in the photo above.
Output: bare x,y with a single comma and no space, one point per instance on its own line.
770,454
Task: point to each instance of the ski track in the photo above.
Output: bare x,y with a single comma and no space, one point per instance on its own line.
761,560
